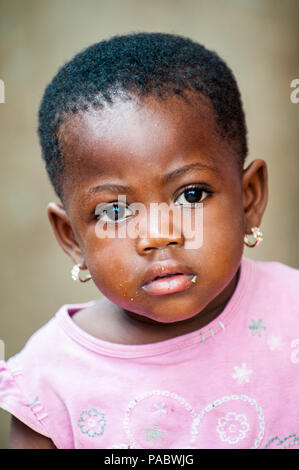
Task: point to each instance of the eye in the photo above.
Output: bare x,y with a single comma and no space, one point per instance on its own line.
112,212
192,195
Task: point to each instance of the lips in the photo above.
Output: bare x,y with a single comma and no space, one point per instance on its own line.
167,278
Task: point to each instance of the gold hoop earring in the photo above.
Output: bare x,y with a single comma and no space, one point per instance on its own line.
257,235
76,274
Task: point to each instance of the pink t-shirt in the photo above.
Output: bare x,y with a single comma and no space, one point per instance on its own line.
232,384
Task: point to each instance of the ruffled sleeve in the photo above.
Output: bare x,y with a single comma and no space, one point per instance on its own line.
24,405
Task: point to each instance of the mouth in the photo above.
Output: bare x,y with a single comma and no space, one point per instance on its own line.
168,280
166,275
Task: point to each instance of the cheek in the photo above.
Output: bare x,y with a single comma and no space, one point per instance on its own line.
111,265
223,232
223,223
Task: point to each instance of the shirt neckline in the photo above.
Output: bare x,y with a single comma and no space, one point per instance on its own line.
203,335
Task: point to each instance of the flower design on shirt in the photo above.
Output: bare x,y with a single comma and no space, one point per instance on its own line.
160,408
275,343
154,433
256,327
92,422
232,427
242,373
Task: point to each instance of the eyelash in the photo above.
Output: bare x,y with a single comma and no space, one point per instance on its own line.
201,187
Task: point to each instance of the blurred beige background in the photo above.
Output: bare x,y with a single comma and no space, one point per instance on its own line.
259,39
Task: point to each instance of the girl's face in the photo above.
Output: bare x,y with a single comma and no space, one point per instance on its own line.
134,144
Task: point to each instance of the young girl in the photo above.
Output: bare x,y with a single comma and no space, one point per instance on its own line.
190,346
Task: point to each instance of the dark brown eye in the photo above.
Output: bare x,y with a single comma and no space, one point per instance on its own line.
192,195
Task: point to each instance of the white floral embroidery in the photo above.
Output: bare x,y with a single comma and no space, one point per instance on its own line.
242,373
228,398
275,343
232,428
153,433
92,422
160,408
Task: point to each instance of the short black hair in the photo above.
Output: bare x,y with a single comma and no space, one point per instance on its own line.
143,64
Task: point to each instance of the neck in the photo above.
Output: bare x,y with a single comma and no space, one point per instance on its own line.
155,331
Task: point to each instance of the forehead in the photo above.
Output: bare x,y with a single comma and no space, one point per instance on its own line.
140,139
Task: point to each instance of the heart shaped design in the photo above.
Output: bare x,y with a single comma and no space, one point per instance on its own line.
162,419
159,420
233,422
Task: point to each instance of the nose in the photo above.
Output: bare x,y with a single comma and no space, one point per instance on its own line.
159,235
148,244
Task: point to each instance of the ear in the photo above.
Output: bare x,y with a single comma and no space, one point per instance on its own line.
64,234
255,193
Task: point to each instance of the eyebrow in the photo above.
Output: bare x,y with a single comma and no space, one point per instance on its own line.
165,179
184,169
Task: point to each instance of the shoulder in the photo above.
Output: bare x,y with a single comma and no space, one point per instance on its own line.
273,304
276,267
275,278
33,381
52,338
42,343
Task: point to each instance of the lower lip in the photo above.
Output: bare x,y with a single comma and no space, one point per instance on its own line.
169,285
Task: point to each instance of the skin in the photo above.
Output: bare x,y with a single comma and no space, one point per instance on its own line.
23,437
134,143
